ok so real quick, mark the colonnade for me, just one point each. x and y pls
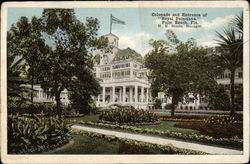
(124, 95)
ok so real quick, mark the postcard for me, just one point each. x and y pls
(125, 82)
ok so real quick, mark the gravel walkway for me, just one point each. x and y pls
(158, 140)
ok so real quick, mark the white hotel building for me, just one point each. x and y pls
(123, 78)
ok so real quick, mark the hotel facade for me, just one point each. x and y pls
(123, 79)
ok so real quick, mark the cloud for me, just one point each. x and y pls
(217, 22)
(138, 42)
(126, 41)
(207, 41)
(143, 35)
(209, 44)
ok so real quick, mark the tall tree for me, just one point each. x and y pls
(230, 42)
(25, 40)
(69, 63)
(188, 69)
(16, 78)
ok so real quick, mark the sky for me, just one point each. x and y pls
(140, 25)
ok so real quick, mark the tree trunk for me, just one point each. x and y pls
(58, 104)
(32, 86)
(174, 99)
(232, 93)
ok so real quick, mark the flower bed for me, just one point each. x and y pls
(141, 147)
(129, 116)
(37, 134)
(232, 142)
(181, 119)
(221, 120)
(132, 124)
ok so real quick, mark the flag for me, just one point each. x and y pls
(117, 21)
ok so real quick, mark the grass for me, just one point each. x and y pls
(164, 126)
(86, 118)
(87, 145)
(169, 125)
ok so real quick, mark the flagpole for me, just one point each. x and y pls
(110, 23)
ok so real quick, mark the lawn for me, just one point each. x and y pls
(87, 145)
(164, 125)
(169, 125)
(86, 118)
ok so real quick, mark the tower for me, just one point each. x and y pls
(112, 41)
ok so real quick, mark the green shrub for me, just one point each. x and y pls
(37, 134)
(35, 108)
(185, 117)
(157, 104)
(168, 106)
(132, 148)
(220, 120)
(226, 131)
(129, 116)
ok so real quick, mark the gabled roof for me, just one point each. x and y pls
(128, 53)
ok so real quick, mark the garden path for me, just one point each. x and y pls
(162, 141)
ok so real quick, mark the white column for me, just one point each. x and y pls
(124, 94)
(130, 94)
(113, 94)
(146, 95)
(142, 94)
(120, 94)
(103, 95)
(136, 94)
(98, 98)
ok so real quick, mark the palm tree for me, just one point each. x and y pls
(230, 42)
(15, 79)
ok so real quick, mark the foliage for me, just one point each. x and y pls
(220, 120)
(25, 41)
(238, 97)
(37, 134)
(31, 108)
(185, 117)
(216, 126)
(218, 98)
(188, 69)
(168, 106)
(157, 104)
(129, 116)
(231, 142)
(230, 43)
(66, 63)
(129, 146)
(16, 91)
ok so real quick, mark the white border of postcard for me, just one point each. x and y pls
(125, 158)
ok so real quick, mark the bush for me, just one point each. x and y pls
(157, 104)
(132, 148)
(220, 126)
(220, 120)
(37, 134)
(184, 117)
(129, 116)
(168, 106)
(35, 108)
(219, 98)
